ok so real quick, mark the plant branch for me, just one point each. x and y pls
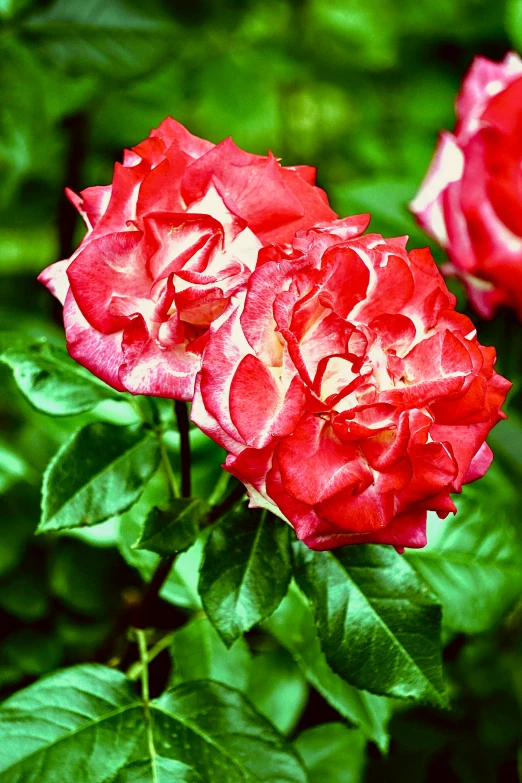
(231, 499)
(142, 646)
(134, 671)
(167, 466)
(164, 566)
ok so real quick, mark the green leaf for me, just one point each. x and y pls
(52, 382)
(161, 771)
(84, 577)
(245, 571)
(13, 468)
(378, 622)
(293, 626)
(17, 525)
(79, 725)
(22, 116)
(474, 566)
(174, 530)
(86, 724)
(25, 594)
(215, 730)
(99, 472)
(33, 652)
(387, 202)
(514, 22)
(333, 753)
(9, 8)
(181, 587)
(114, 38)
(277, 689)
(199, 654)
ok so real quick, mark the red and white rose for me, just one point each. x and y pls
(168, 243)
(350, 395)
(471, 198)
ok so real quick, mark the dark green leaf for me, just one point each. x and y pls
(333, 753)
(87, 725)
(52, 382)
(84, 577)
(199, 654)
(33, 652)
(245, 571)
(377, 620)
(18, 519)
(474, 565)
(174, 530)
(99, 472)
(25, 594)
(293, 626)
(114, 38)
(181, 587)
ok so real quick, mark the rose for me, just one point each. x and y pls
(471, 198)
(172, 169)
(168, 243)
(351, 396)
(138, 303)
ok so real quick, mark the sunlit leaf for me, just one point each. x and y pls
(473, 561)
(88, 725)
(51, 381)
(332, 752)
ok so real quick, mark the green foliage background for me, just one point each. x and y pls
(359, 89)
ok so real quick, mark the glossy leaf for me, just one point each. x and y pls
(332, 752)
(199, 654)
(173, 530)
(473, 561)
(87, 724)
(49, 730)
(161, 771)
(51, 381)
(293, 626)
(245, 571)
(378, 622)
(214, 729)
(99, 472)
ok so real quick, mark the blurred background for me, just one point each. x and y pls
(357, 88)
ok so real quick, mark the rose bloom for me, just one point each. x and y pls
(351, 396)
(471, 198)
(168, 243)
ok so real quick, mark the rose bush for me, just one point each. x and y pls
(168, 243)
(471, 198)
(350, 395)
